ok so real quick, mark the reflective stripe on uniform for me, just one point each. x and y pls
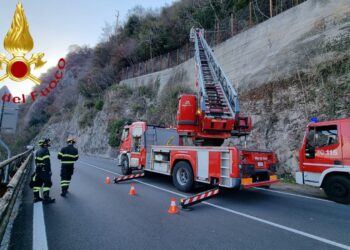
(42, 158)
(67, 162)
(65, 183)
(36, 189)
(68, 155)
(46, 189)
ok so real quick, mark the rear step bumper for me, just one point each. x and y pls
(258, 184)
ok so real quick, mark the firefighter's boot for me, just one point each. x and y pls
(37, 197)
(64, 192)
(47, 198)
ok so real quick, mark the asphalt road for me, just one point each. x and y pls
(99, 216)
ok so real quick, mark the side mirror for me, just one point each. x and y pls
(310, 152)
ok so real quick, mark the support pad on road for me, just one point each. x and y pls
(128, 177)
(192, 200)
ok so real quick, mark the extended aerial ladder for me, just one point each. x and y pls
(214, 114)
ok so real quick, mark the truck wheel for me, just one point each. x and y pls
(337, 188)
(183, 176)
(125, 165)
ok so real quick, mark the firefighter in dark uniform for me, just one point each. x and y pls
(68, 155)
(42, 176)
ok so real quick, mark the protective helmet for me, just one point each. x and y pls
(44, 142)
(71, 139)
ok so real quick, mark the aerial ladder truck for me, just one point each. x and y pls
(193, 152)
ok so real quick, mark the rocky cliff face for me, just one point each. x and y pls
(287, 69)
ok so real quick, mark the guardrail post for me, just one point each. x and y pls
(160, 62)
(6, 172)
(168, 59)
(177, 57)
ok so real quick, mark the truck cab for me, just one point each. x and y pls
(325, 158)
(137, 139)
(131, 148)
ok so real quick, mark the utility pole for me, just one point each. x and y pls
(117, 23)
(231, 22)
(150, 45)
(271, 7)
(250, 14)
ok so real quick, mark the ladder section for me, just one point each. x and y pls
(215, 101)
(225, 169)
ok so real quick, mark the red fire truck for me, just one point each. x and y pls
(193, 153)
(160, 150)
(325, 158)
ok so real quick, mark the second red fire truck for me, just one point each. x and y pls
(325, 158)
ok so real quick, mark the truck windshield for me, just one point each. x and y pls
(125, 133)
(326, 136)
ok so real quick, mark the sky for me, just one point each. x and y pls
(57, 24)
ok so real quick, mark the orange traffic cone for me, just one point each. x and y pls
(173, 208)
(108, 180)
(132, 190)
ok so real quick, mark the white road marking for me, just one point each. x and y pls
(39, 231)
(291, 194)
(289, 229)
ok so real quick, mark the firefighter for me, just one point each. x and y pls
(68, 155)
(42, 176)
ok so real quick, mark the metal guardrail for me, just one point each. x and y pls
(8, 166)
(14, 186)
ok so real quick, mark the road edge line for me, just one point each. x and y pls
(291, 194)
(39, 230)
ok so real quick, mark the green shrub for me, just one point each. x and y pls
(99, 104)
(115, 130)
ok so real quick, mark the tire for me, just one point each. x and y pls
(183, 176)
(125, 165)
(337, 188)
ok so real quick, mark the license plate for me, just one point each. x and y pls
(260, 164)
